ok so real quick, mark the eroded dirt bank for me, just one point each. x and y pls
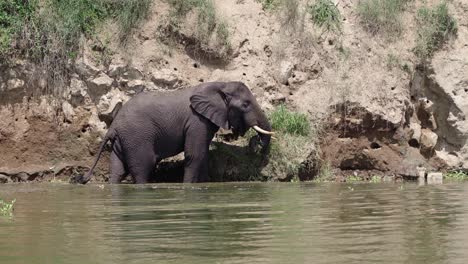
(371, 115)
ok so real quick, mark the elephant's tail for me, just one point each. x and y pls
(83, 179)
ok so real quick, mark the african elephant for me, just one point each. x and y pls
(153, 125)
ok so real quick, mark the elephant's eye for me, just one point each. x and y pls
(245, 104)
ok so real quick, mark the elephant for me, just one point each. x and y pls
(152, 126)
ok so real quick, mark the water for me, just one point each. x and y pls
(236, 223)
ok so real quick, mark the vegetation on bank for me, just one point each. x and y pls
(209, 25)
(49, 32)
(435, 26)
(293, 139)
(6, 208)
(326, 15)
(295, 136)
(382, 16)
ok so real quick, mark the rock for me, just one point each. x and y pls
(451, 160)
(85, 68)
(298, 78)
(108, 102)
(78, 91)
(4, 179)
(68, 111)
(277, 98)
(133, 73)
(99, 86)
(428, 142)
(22, 176)
(166, 79)
(414, 135)
(117, 68)
(285, 71)
(136, 85)
(434, 178)
(15, 84)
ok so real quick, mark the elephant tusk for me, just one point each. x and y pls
(259, 130)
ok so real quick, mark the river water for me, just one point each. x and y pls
(235, 223)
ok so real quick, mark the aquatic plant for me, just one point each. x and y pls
(457, 175)
(6, 208)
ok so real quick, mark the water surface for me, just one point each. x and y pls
(235, 223)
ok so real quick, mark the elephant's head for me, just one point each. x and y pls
(231, 105)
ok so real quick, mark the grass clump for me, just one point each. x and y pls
(291, 146)
(129, 14)
(289, 122)
(209, 26)
(6, 208)
(295, 140)
(270, 4)
(382, 16)
(457, 175)
(435, 26)
(326, 15)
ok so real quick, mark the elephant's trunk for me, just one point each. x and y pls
(264, 131)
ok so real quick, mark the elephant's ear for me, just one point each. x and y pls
(209, 101)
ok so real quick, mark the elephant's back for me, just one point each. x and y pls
(154, 115)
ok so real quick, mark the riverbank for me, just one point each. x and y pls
(379, 97)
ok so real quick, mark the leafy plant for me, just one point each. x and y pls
(289, 122)
(435, 26)
(6, 208)
(326, 15)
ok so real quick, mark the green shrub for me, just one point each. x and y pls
(326, 15)
(382, 16)
(49, 31)
(6, 208)
(289, 122)
(13, 16)
(435, 26)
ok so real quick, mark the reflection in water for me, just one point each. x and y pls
(235, 223)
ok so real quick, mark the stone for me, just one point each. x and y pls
(136, 86)
(15, 84)
(4, 179)
(108, 102)
(450, 159)
(99, 86)
(435, 178)
(298, 78)
(133, 73)
(414, 134)
(116, 68)
(68, 111)
(78, 91)
(22, 176)
(166, 79)
(85, 68)
(285, 71)
(428, 141)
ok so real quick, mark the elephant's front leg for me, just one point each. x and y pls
(196, 167)
(197, 143)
